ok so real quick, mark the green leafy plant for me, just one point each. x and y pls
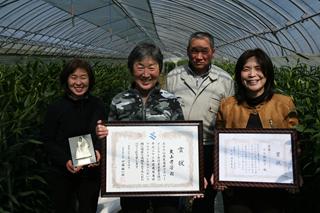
(302, 83)
(168, 66)
(23, 88)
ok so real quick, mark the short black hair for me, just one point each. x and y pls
(201, 35)
(70, 67)
(142, 51)
(267, 69)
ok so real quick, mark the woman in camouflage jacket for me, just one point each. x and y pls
(144, 100)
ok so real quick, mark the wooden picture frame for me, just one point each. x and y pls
(158, 158)
(265, 158)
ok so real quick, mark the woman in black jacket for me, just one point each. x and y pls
(73, 188)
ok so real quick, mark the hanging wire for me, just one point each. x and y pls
(72, 12)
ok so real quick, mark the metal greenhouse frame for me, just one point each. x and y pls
(110, 28)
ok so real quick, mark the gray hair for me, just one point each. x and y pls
(201, 35)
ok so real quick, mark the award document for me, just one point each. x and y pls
(257, 158)
(152, 159)
(82, 151)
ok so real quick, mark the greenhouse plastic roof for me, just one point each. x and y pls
(111, 28)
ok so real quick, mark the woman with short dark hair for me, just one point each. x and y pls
(73, 188)
(145, 50)
(147, 102)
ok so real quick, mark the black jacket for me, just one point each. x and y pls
(67, 118)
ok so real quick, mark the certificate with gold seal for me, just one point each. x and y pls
(153, 159)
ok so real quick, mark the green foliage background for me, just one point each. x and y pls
(27, 89)
(303, 84)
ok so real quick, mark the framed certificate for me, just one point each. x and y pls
(160, 158)
(256, 158)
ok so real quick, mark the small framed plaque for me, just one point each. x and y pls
(256, 158)
(82, 150)
(160, 158)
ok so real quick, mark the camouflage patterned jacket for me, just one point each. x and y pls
(160, 105)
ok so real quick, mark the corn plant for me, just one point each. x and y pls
(23, 88)
(110, 80)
